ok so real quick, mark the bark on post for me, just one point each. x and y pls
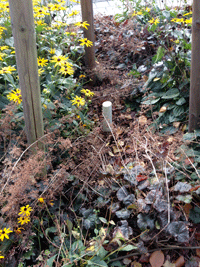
(194, 109)
(21, 12)
(87, 15)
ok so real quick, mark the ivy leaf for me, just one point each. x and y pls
(177, 111)
(179, 231)
(125, 230)
(130, 199)
(122, 193)
(171, 93)
(123, 214)
(133, 173)
(195, 215)
(182, 187)
(145, 221)
(181, 101)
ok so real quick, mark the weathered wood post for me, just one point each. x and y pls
(87, 15)
(21, 12)
(194, 110)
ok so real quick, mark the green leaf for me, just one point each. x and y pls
(169, 130)
(179, 231)
(195, 215)
(102, 252)
(151, 101)
(181, 101)
(9, 41)
(123, 214)
(145, 221)
(103, 220)
(128, 248)
(171, 93)
(96, 261)
(116, 264)
(177, 111)
(51, 260)
(159, 55)
(51, 230)
(185, 199)
(40, 28)
(3, 102)
(69, 226)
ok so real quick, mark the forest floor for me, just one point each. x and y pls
(102, 157)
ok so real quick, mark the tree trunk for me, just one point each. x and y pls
(194, 110)
(87, 15)
(21, 12)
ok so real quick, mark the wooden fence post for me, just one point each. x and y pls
(87, 15)
(21, 12)
(194, 109)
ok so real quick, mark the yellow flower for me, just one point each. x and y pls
(1, 257)
(82, 76)
(41, 22)
(8, 69)
(189, 13)
(59, 60)
(66, 70)
(40, 71)
(52, 51)
(41, 200)
(139, 13)
(42, 62)
(56, 7)
(87, 92)
(154, 21)
(5, 47)
(86, 42)
(4, 233)
(45, 106)
(25, 211)
(18, 230)
(46, 91)
(177, 41)
(40, 12)
(74, 1)
(51, 202)
(71, 33)
(177, 20)
(188, 21)
(148, 9)
(134, 14)
(74, 13)
(79, 101)
(2, 55)
(24, 220)
(15, 96)
(83, 24)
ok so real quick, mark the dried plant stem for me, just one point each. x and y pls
(29, 147)
(149, 158)
(191, 163)
(167, 188)
(116, 145)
